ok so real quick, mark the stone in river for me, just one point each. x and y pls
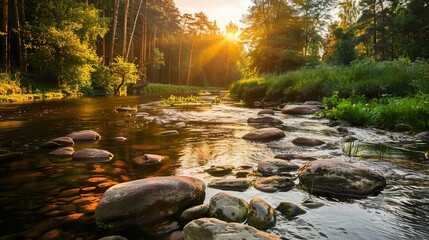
(237, 184)
(63, 152)
(92, 155)
(265, 120)
(227, 207)
(148, 160)
(168, 133)
(274, 166)
(291, 156)
(114, 237)
(193, 213)
(422, 135)
(84, 136)
(58, 142)
(147, 202)
(266, 111)
(265, 134)
(289, 209)
(274, 184)
(300, 109)
(215, 229)
(126, 109)
(335, 177)
(305, 141)
(261, 214)
(220, 170)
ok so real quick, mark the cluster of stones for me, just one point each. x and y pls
(64, 147)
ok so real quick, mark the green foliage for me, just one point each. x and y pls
(180, 100)
(344, 48)
(9, 84)
(351, 149)
(125, 72)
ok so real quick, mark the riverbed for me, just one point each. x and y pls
(55, 198)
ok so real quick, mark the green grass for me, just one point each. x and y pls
(372, 79)
(351, 149)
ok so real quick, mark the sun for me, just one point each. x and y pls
(230, 37)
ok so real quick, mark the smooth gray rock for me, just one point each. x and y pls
(289, 209)
(265, 120)
(58, 142)
(168, 133)
(266, 111)
(291, 156)
(148, 160)
(227, 207)
(92, 155)
(215, 229)
(220, 170)
(147, 202)
(261, 214)
(84, 136)
(336, 177)
(265, 135)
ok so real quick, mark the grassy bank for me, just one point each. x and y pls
(371, 79)
(168, 88)
(390, 95)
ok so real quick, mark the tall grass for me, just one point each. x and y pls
(372, 79)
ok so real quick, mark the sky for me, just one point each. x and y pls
(223, 11)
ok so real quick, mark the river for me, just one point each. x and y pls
(55, 198)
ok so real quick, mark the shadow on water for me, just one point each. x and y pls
(55, 198)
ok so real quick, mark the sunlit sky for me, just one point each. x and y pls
(223, 11)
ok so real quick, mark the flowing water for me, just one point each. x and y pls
(54, 198)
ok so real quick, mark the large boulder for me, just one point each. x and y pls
(215, 229)
(306, 141)
(274, 166)
(227, 207)
(147, 202)
(265, 134)
(336, 177)
(84, 136)
(261, 214)
(92, 155)
(300, 109)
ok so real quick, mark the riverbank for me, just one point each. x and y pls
(394, 88)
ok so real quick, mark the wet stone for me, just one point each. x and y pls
(266, 112)
(114, 237)
(64, 152)
(274, 184)
(148, 160)
(423, 135)
(238, 184)
(265, 135)
(290, 210)
(304, 141)
(193, 213)
(92, 155)
(126, 109)
(227, 207)
(220, 170)
(291, 156)
(85, 136)
(265, 120)
(261, 214)
(274, 166)
(58, 142)
(168, 133)
(300, 109)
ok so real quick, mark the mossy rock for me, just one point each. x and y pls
(274, 184)
(228, 208)
(261, 214)
(193, 213)
(238, 184)
(290, 210)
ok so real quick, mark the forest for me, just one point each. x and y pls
(108, 45)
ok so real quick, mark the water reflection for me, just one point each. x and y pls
(48, 197)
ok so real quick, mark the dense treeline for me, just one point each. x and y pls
(110, 44)
(107, 44)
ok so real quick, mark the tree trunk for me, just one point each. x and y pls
(124, 33)
(5, 36)
(180, 60)
(18, 32)
(188, 80)
(118, 89)
(134, 28)
(115, 23)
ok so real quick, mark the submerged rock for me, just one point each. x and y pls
(265, 134)
(193, 213)
(300, 109)
(84, 136)
(274, 166)
(261, 214)
(274, 184)
(339, 178)
(168, 133)
(265, 120)
(92, 155)
(228, 208)
(148, 160)
(126, 109)
(215, 229)
(237, 184)
(423, 135)
(58, 142)
(147, 202)
(114, 237)
(304, 141)
(291, 156)
(63, 152)
(289, 209)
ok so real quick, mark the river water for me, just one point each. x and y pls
(44, 197)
